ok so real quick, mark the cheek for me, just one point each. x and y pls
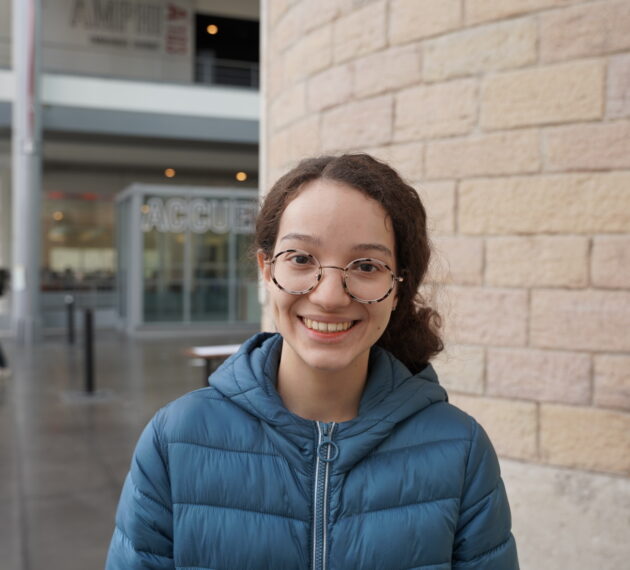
(279, 302)
(382, 318)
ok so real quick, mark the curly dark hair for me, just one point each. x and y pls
(412, 334)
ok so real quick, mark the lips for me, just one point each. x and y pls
(327, 327)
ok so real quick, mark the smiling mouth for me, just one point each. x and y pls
(327, 327)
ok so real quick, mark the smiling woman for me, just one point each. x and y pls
(329, 444)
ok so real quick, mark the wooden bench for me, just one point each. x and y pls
(213, 356)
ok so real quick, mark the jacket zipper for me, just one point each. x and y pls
(327, 452)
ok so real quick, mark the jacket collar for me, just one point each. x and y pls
(391, 395)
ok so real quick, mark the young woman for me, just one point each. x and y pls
(329, 444)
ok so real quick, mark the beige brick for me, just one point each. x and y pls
(567, 519)
(618, 95)
(277, 9)
(604, 146)
(361, 31)
(416, 19)
(290, 105)
(581, 31)
(580, 320)
(308, 55)
(572, 203)
(485, 10)
(546, 95)
(278, 150)
(585, 438)
(612, 381)
(353, 125)
(407, 159)
(316, 14)
(511, 425)
(386, 70)
(303, 139)
(493, 154)
(457, 260)
(460, 368)
(436, 110)
(439, 201)
(486, 316)
(287, 30)
(610, 262)
(541, 375)
(538, 261)
(488, 48)
(274, 75)
(329, 88)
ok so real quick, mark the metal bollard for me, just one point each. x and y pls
(69, 300)
(89, 351)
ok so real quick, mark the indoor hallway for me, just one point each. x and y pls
(63, 458)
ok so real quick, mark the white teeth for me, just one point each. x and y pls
(327, 327)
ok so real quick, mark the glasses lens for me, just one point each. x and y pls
(369, 279)
(296, 271)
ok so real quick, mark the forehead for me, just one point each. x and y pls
(336, 214)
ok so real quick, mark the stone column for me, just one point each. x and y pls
(27, 169)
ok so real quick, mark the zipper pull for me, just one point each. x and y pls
(327, 450)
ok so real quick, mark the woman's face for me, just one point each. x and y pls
(337, 224)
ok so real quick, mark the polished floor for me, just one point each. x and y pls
(64, 456)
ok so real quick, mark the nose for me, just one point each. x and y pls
(330, 292)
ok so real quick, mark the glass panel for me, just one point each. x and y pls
(197, 265)
(247, 306)
(209, 290)
(78, 243)
(163, 275)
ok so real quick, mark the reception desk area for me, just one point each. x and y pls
(184, 257)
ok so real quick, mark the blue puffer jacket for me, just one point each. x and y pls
(227, 478)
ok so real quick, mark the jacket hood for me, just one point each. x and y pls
(392, 394)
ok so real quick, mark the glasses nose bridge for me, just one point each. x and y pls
(343, 275)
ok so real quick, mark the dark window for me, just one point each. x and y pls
(226, 51)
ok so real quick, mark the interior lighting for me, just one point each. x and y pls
(241, 176)
(212, 29)
(57, 216)
(170, 173)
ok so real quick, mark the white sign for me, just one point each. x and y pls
(199, 215)
(151, 25)
(139, 39)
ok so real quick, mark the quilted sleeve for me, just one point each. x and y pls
(483, 538)
(143, 537)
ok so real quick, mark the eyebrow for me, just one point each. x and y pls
(302, 237)
(374, 247)
(360, 247)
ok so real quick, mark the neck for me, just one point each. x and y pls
(321, 395)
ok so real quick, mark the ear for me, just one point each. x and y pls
(265, 268)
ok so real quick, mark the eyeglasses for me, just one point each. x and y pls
(366, 280)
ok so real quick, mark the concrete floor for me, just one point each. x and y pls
(63, 458)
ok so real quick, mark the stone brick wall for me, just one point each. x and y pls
(512, 118)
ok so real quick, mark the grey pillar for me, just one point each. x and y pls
(26, 168)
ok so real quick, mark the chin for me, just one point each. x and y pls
(327, 360)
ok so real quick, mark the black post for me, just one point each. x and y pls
(3, 360)
(69, 299)
(89, 352)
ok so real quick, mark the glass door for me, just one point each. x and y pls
(210, 283)
(164, 264)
